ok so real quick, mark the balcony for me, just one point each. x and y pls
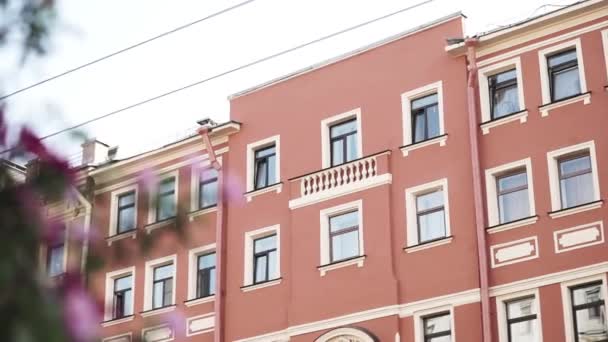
(354, 176)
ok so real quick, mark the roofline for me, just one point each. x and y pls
(13, 165)
(349, 54)
(521, 25)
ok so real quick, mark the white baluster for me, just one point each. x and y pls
(302, 187)
(365, 165)
(375, 167)
(358, 170)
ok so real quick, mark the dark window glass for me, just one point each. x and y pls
(123, 297)
(55, 256)
(521, 320)
(504, 99)
(343, 142)
(589, 313)
(126, 212)
(265, 259)
(265, 167)
(512, 191)
(165, 207)
(563, 75)
(576, 180)
(162, 287)
(430, 216)
(344, 236)
(205, 275)
(425, 118)
(437, 328)
(207, 190)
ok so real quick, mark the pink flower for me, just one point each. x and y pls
(80, 234)
(81, 314)
(149, 179)
(32, 144)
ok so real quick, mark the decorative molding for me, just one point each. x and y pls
(406, 108)
(200, 212)
(348, 333)
(512, 225)
(521, 116)
(250, 237)
(277, 187)
(325, 134)
(250, 152)
(423, 246)
(160, 224)
(112, 322)
(515, 251)
(412, 238)
(578, 237)
(569, 322)
(132, 234)
(119, 338)
(159, 333)
(576, 210)
(544, 74)
(158, 311)
(501, 313)
(193, 255)
(545, 109)
(420, 315)
(258, 286)
(340, 264)
(441, 140)
(200, 324)
(197, 301)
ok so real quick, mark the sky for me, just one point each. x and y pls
(88, 29)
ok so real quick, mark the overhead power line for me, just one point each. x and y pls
(131, 47)
(230, 71)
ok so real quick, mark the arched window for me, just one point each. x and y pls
(346, 335)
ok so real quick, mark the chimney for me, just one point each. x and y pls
(206, 122)
(94, 152)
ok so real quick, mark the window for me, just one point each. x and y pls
(344, 236)
(123, 297)
(563, 75)
(207, 189)
(425, 118)
(343, 142)
(437, 327)
(55, 263)
(126, 212)
(205, 275)
(521, 315)
(513, 198)
(588, 312)
(265, 166)
(427, 213)
(162, 286)
(264, 259)
(503, 93)
(166, 200)
(575, 180)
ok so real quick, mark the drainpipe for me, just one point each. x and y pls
(482, 257)
(218, 335)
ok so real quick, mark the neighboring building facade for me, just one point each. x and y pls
(355, 196)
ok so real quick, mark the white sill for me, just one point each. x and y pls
(157, 311)
(423, 246)
(278, 187)
(197, 301)
(330, 267)
(512, 225)
(576, 210)
(522, 116)
(248, 288)
(132, 234)
(544, 109)
(441, 140)
(116, 321)
(200, 212)
(149, 228)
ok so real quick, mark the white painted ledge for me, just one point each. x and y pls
(423, 246)
(545, 109)
(512, 225)
(197, 301)
(249, 288)
(130, 234)
(117, 321)
(278, 187)
(349, 262)
(200, 212)
(521, 116)
(149, 228)
(157, 311)
(576, 210)
(441, 140)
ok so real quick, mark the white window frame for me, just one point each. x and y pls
(411, 210)
(113, 227)
(193, 255)
(109, 295)
(45, 250)
(420, 315)
(605, 44)
(501, 313)
(554, 186)
(325, 215)
(250, 237)
(154, 192)
(567, 301)
(149, 278)
(325, 134)
(484, 94)
(492, 196)
(406, 105)
(251, 148)
(542, 62)
(195, 178)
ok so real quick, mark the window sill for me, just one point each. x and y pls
(429, 244)
(131, 233)
(585, 98)
(203, 211)
(116, 321)
(197, 301)
(577, 209)
(441, 140)
(278, 187)
(252, 287)
(158, 311)
(159, 224)
(522, 116)
(342, 263)
(512, 225)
